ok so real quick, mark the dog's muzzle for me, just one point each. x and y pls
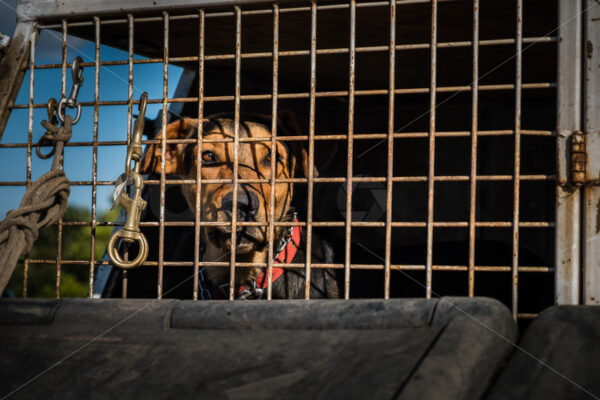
(247, 205)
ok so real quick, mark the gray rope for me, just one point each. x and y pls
(43, 204)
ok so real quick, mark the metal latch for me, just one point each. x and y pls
(578, 158)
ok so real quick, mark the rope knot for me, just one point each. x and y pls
(44, 203)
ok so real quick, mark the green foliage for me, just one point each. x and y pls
(76, 245)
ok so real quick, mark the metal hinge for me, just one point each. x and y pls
(578, 158)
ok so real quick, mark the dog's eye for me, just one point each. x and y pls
(267, 159)
(208, 157)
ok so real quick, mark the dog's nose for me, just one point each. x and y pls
(247, 205)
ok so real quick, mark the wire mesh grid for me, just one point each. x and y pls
(353, 229)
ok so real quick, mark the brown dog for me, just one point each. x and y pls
(253, 202)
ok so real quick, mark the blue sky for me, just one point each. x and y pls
(112, 120)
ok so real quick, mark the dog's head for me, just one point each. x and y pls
(254, 162)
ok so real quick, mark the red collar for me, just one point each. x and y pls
(284, 256)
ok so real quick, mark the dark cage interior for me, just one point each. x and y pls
(506, 122)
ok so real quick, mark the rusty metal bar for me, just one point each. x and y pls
(130, 62)
(25, 276)
(350, 136)
(236, 136)
(568, 199)
(430, 178)
(350, 149)
(198, 211)
(131, 33)
(362, 136)
(527, 315)
(296, 53)
(517, 168)
(63, 94)
(360, 224)
(390, 155)
(591, 191)
(94, 154)
(161, 228)
(381, 267)
(270, 254)
(305, 95)
(311, 144)
(402, 179)
(474, 126)
(28, 11)
(29, 138)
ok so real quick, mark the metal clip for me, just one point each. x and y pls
(46, 139)
(133, 207)
(134, 151)
(131, 230)
(251, 294)
(71, 101)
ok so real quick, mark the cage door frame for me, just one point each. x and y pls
(12, 68)
(591, 195)
(568, 198)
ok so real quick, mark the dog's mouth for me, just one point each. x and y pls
(248, 238)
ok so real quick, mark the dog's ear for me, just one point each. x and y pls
(152, 161)
(299, 149)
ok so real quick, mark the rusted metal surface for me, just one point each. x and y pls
(236, 138)
(63, 95)
(161, 228)
(311, 144)
(474, 133)
(12, 68)
(390, 152)
(374, 92)
(354, 93)
(295, 53)
(31, 49)
(341, 266)
(358, 224)
(198, 209)
(130, 62)
(270, 256)
(95, 153)
(591, 194)
(370, 136)
(431, 164)
(439, 178)
(32, 9)
(517, 155)
(350, 149)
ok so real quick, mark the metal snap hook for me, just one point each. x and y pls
(133, 206)
(128, 237)
(71, 101)
(134, 151)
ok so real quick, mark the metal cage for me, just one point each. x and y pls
(454, 117)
